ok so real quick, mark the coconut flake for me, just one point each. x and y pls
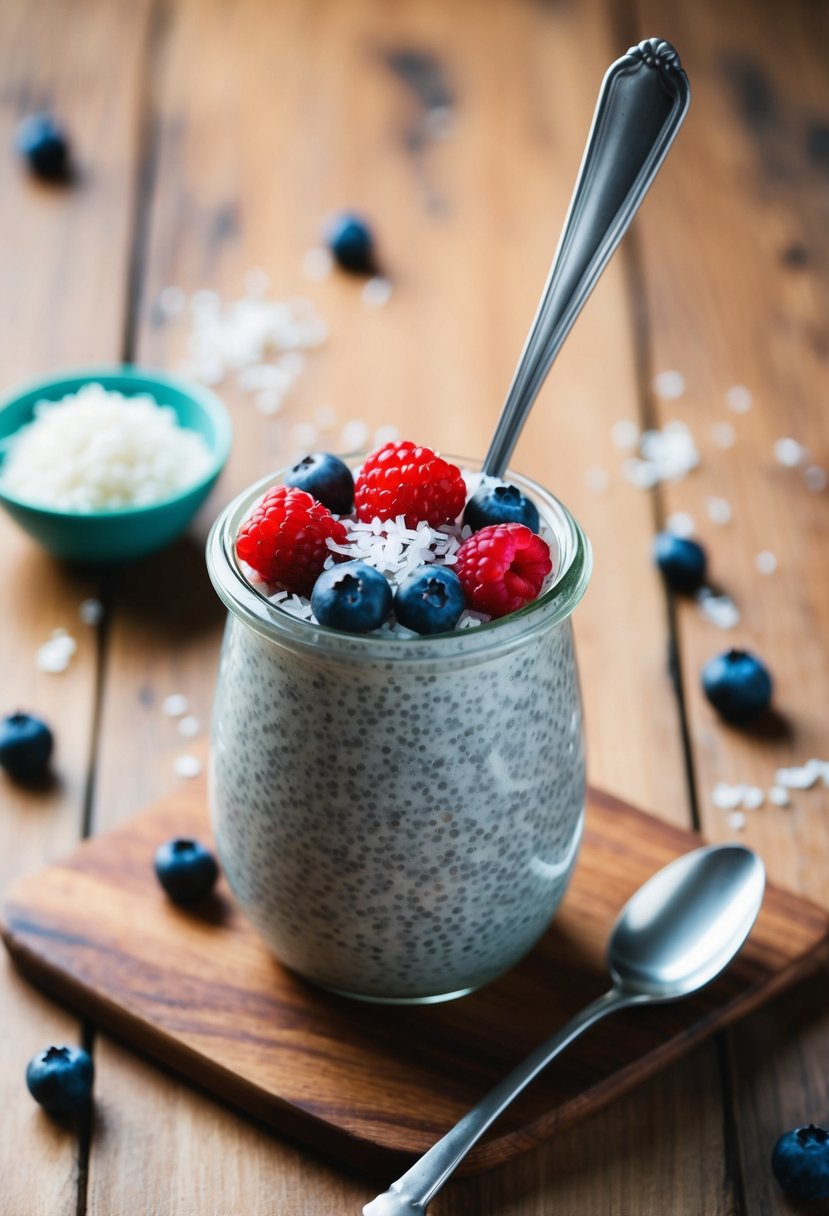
(669, 384)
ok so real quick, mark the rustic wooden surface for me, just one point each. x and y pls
(197, 990)
(212, 138)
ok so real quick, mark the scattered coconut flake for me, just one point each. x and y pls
(91, 612)
(354, 435)
(376, 292)
(800, 777)
(665, 455)
(790, 453)
(669, 385)
(719, 511)
(175, 705)
(816, 478)
(779, 796)
(753, 798)
(189, 727)
(680, 523)
(55, 655)
(317, 264)
(269, 401)
(727, 797)
(597, 479)
(719, 610)
(305, 435)
(171, 301)
(257, 281)
(736, 821)
(187, 766)
(766, 562)
(251, 336)
(292, 363)
(724, 434)
(625, 434)
(385, 434)
(325, 417)
(739, 398)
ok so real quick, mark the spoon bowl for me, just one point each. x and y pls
(686, 923)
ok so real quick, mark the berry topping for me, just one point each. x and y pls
(430, 600)
(500, 504)
(284, 538)
(325, 478)
(681, 560)
(502, 568)
(738, 685)
(60, 1078)
(353, 597)
(800, 1161)
(25, 747)
(45, 147)
(404, 479)
(186, 869)
(349, 238)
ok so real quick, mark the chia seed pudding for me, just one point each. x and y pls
(399, 818)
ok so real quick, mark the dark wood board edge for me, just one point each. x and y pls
(300, 1126)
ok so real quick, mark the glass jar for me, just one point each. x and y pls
(399, 818)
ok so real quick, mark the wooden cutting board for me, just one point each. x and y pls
(197, 991)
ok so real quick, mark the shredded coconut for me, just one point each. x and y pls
(187, 766)
(96, 450)
(175, 706)
(719, 610)
(669, 385)
(55, 655)
(739, 398)
(665, 455)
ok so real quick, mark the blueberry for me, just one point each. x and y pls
(45, 146)
(349, 238)
(430, 600)
(326, 478)
(353, 596)
(186, 869)
(500, 504)
(800, 1161)
(25, 747)
(682, 562)
(60, 1078)
(737, 684)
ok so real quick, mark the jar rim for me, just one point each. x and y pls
(273, 623)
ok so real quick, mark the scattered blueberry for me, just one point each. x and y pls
(186, 869)
(60, 1078)
(353, 596)
(738, 685)
(430, 600)
(326, 478)
(349, 238)
(45, 146)
(25, 746)
(501, 504)
(800, 1161)
(682, 562)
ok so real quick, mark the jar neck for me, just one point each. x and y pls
(572, 562)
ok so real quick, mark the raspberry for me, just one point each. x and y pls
(403, 479)
(284, 538)
(502, 568)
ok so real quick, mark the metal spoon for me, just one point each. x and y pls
(673, 936)
(643, 99)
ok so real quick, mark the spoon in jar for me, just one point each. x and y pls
(674, 935)
(643, 99)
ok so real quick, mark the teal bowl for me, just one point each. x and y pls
(123, 533)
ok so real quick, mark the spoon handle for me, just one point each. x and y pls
(642, 102)
(411, 1193)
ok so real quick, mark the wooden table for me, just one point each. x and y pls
(212, 137)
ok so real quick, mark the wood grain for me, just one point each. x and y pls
(749, 281)
(376, 1085)
(64, 258)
